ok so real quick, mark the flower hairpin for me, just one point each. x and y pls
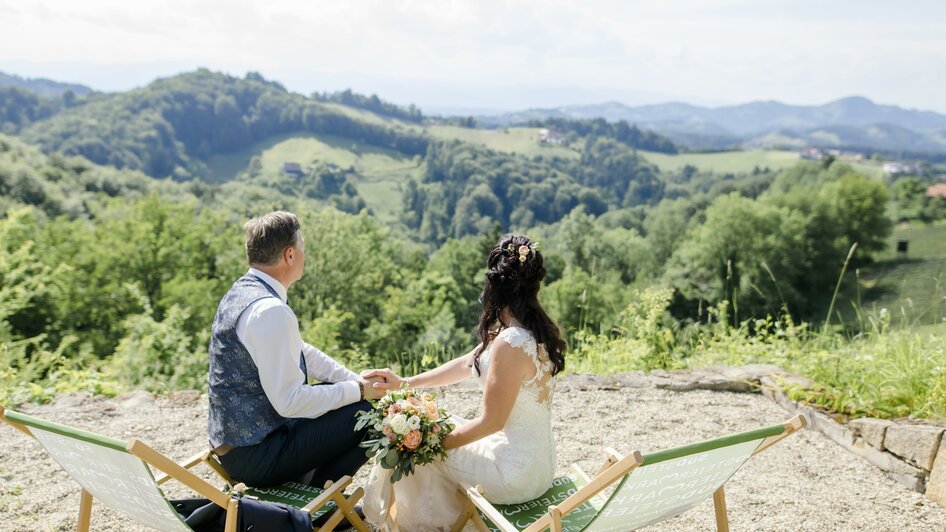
(523, 251)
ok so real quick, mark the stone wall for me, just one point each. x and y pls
(910, 452)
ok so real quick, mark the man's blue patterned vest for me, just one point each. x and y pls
(240, 413)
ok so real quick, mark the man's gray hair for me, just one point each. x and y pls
(269, 235)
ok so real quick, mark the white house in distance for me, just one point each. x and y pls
(551, 137)
(898, 168)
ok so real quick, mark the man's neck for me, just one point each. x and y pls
(279, 274)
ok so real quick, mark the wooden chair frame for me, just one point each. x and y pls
(614, 468)
(181, 473)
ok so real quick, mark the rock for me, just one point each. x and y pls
(633, 380)
(65, 401)
(715, 378)
(914, 483)
(755, 372)
(916, 443)
(771, 390)
(826, 425)
(134, 399)
(871, 429)
(885, 461)
(936, 486)
(184, 397)
(594, 382)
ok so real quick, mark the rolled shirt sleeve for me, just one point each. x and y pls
(323, 367)
(271, 336)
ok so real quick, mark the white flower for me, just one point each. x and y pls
(399, 424)
(413, 422)
(433, 439)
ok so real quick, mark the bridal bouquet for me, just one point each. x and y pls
(405, 428)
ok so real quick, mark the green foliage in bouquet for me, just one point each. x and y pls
(406, 428)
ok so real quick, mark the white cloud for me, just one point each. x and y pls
(802, 51)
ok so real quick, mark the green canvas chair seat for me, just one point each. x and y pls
(117, 474)
(292, 494)
(649, 488)
(525, 514)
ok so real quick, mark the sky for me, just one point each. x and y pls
(491, 55)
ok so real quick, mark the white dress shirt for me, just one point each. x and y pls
(269, 330)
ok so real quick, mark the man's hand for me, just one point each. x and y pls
(375, 388)
(384, 378)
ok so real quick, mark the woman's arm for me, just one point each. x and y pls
(507, 369)
(457, 370)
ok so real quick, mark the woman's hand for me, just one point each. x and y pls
(384, 378)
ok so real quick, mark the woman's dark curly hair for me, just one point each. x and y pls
(514, 271)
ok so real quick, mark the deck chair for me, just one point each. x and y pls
(116, 473)
(650, 488)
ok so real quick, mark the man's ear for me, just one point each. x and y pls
(289, 255)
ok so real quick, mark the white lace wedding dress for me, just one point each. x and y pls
(514, 465)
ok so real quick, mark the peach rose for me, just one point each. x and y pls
(432, 411)
(412, 439)
(394, 409)
(436, 428)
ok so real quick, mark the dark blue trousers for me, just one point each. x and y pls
(327, 447)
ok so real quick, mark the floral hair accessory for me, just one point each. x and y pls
(524, 253)
(511, 248)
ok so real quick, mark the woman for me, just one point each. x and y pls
(508, 449)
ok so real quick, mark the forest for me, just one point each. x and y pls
(116, 243)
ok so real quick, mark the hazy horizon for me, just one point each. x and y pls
(500, 56)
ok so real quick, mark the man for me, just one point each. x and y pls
(266, 423)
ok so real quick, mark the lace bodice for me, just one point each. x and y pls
(539, 387)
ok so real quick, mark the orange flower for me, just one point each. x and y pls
(412, 439)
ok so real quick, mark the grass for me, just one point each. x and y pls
(372, 118)
(521, 140)
(382, 171)
(734, 162)
(743, 161)
(226, 166)
(911, 286)
(881, 372)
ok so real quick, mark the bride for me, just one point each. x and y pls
(508, 449)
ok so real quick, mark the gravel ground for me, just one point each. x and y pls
(804, 483)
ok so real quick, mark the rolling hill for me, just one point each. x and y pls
(168, 128)
(45, 88)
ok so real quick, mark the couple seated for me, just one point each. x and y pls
(267, 425)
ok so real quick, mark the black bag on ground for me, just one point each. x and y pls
(252, 516)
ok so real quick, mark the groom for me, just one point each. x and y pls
(266, 423)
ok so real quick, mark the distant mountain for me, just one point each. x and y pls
(862, 122)
(880, 137)
(43, 87)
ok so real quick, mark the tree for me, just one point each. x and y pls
(746, 252)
